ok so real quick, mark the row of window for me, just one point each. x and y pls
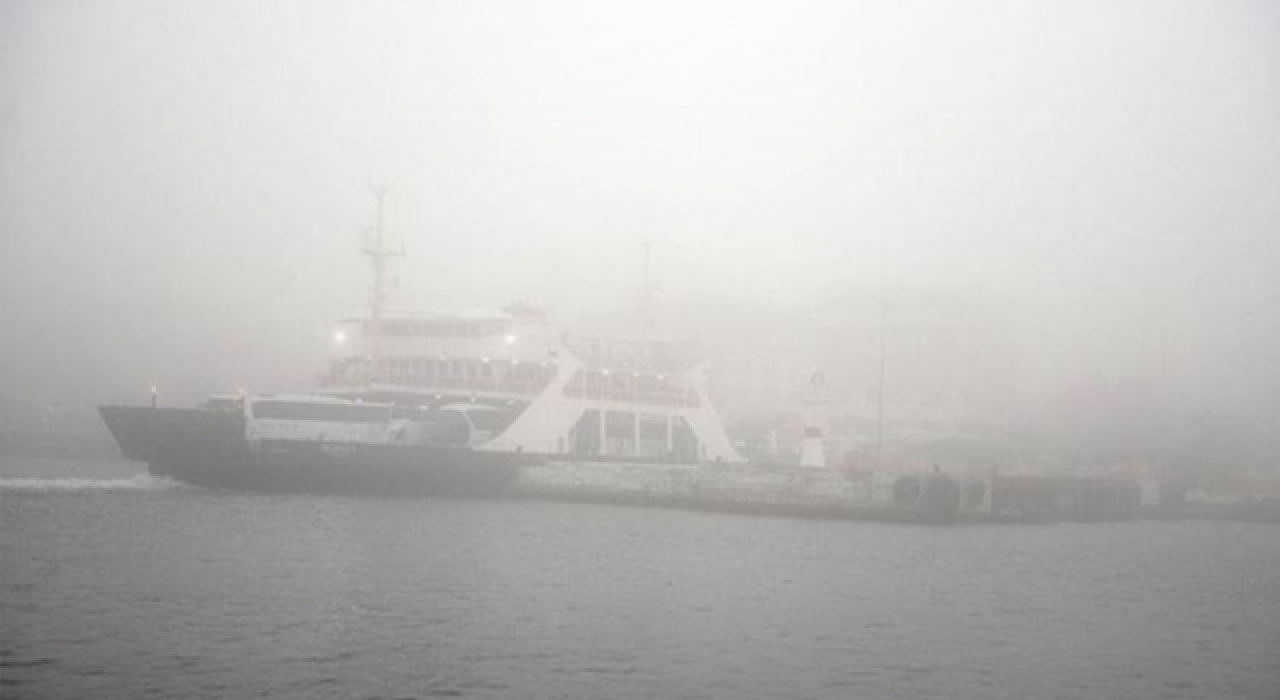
(461, 368)
(307, 411)
(620, 433)
(440, 427)
(403, 328)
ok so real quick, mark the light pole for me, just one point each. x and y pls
(884, 313)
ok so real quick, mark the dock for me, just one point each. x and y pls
(896, 497)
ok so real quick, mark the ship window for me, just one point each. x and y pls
(596, 381)
(446, 428)
(653, 428)
(684, 440)
(331, 412)
(229, 405)
(416, 413)
(619, 430)
(489, 420)
(620, 425)
(585, 435)
(653, 436)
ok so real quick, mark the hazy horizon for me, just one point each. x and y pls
(182, 187)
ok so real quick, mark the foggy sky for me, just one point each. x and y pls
(182, 185)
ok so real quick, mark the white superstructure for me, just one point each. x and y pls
(523, 383)
(527, 385)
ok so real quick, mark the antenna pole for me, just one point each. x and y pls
(646, 295)
(378, 258)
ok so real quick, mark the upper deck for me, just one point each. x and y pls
(506, 356)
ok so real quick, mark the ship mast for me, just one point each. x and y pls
(646, 292)
(379, 258)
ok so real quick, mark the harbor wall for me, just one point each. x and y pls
(926, 497)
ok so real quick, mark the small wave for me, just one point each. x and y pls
(30, 663)
(141, 482)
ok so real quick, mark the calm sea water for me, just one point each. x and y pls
(118, 585)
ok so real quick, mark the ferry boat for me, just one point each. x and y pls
(454, 405)
(527, 384)
(442, 404)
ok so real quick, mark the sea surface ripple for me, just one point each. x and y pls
(159, 590)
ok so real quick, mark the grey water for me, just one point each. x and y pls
(119, 585)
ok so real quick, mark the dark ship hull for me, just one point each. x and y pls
(208, 448)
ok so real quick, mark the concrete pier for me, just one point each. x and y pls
(871, 496)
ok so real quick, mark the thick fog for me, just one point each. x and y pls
(183, 185)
